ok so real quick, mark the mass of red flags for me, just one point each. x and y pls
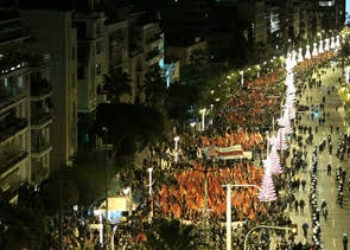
(186, 198)
(241, 137)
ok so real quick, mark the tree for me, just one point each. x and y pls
(173, 235)
(131, 127)
(344, 53)
(49, 192)
(116, 84)
(89, 176)
(180, 98)
(23, 225)
(155, 88)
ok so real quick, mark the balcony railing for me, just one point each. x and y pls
(152, 54)
(9, 158)
(154, 38)
(40, 87)
(9, 99)
(39, 173)
(40, 118)
(40, 147)
(10, 126)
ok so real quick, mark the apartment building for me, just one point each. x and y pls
(62, 50)
(41, 121)
(146, 49)
(15, 120)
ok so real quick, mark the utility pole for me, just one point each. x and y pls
(60, 233)
(105, 130)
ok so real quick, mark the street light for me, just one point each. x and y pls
(150, 181)
(228, 211)
(126, 192)
(176, 139)
(242, 76)
(202, 111)
(105, 130)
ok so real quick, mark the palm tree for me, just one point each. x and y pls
(116, 84)
(155, 87)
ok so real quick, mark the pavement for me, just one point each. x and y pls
(338, 218)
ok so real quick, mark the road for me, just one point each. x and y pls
(338, 218)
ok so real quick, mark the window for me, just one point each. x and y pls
(99, 47)
(20, 81)
(98, 28)
(81, 73)
(98, 69)
(6, 82)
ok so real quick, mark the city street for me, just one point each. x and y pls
(335, 226)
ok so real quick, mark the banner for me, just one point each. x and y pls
(229, 153)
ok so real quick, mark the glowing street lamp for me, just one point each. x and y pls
(176, 140)
(211, 110)
(242, 76)
(202, 111)
(150, 181)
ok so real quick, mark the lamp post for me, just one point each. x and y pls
(202, 111)
(126, 192)
(150, 191)
(150, 181)
(265, 226)
(242, 76)
(176, 140)
(105, 130)
(228, 211)
(211, 111)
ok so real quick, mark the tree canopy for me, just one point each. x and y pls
(131, 126)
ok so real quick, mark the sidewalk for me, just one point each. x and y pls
(332, 229)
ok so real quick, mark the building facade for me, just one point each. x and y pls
(62, 49)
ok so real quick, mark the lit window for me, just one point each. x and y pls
(6, 82)
(20, 82)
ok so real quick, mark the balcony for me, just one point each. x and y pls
(153, 57)
(41, 120)
(9, 100)
(39, 173)
(40, 89)
(41, 149)
(155, 39)
(10, 126)
(10, 157)
(102, 96)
